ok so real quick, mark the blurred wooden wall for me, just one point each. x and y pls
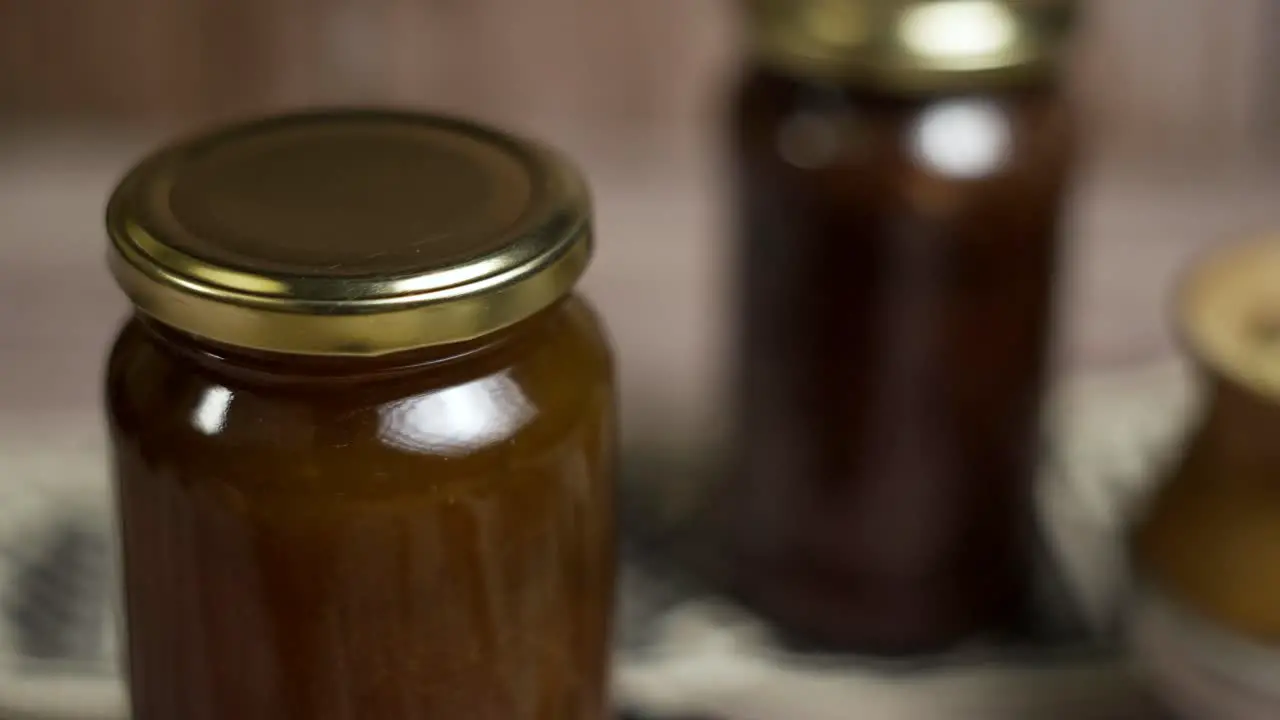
(1181, 81)
(134, 60)
(1165, 80)
(617, 68)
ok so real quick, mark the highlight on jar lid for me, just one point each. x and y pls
(1230, 314)
(912, 44)
(355, 232)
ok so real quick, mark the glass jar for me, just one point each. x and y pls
(1205, 615)
(363, 429)
(901, 172)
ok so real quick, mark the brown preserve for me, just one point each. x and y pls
(900, 206)
(363, 430)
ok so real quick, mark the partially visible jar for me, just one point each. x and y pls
(1205, 616)
(902, 168)
(363, 429)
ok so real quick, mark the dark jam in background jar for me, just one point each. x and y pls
(901, 171)
(363, 429)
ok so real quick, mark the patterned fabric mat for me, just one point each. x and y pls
(681, 654)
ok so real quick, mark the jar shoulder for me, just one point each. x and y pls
(808, 128)
(497, 406)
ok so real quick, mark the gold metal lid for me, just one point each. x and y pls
(354, 232)
(911, 44)
(1229, 312)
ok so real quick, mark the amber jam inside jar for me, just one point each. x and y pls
(899, 193)
(363, 429)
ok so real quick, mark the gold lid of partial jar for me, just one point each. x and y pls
(1229, 313)
(911, 44)
(348, 232)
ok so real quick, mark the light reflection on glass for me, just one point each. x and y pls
(963, 139)
(959, 30)
(210, 415)
(458, 420)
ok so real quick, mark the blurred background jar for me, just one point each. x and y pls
(902, 170)
(1205, 618)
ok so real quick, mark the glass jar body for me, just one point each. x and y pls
(424, 535)
(897, 274)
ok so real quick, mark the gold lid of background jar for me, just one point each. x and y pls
(348, 232)
(1229, 312)
(911, 44)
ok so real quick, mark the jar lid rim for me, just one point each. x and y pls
(912, 45)
(1229, 313)
(348, 232)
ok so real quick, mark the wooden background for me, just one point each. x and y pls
(1167, 80)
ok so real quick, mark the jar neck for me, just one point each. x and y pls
(1241, 424)
(866, 90)
(262, 363)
